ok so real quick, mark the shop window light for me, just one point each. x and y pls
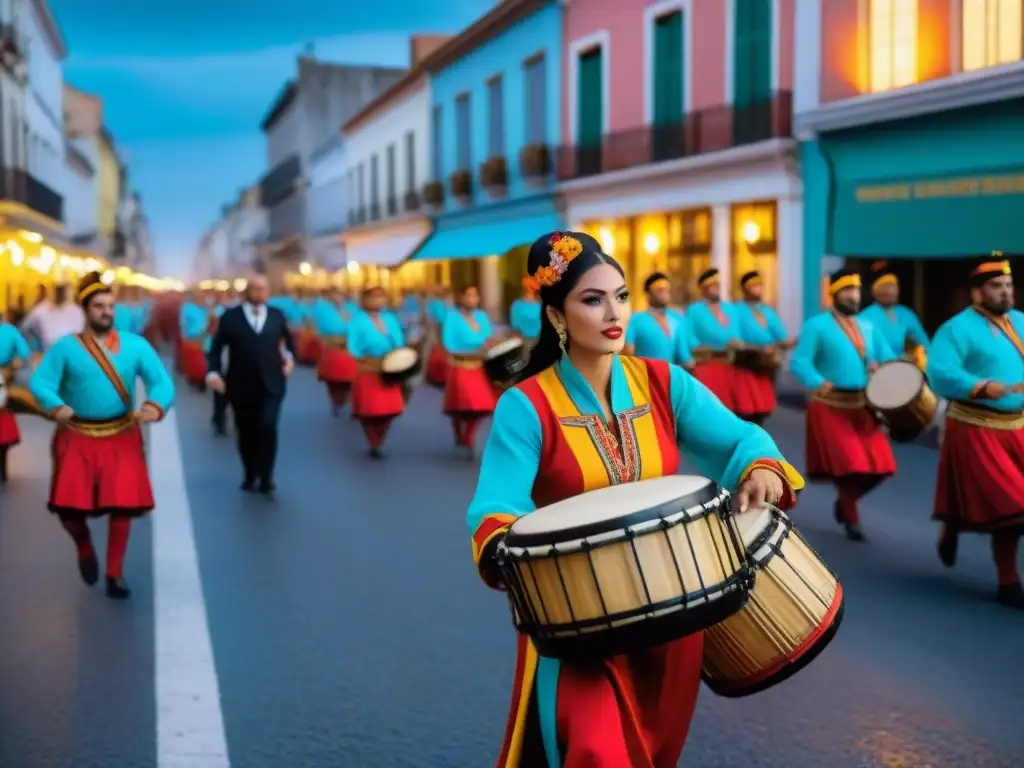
(892, 41)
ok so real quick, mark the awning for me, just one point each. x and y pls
(459, 237)
(383, 250)
(947, 186)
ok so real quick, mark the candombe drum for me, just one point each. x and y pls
(624, 568)
(793, 612)
(505, 361)
(899, 392)
(399, 365)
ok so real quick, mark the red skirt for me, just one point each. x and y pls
(307, 347)
(753, 393)
(845, 441)
(336, 366)
(981, 477)
(436, 373)
(468, 390)
(192, 361)
(373, 399)
(97, 475)
(9, 432)
(720, 377)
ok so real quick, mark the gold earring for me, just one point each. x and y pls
(562, 337)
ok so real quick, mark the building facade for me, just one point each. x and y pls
(387, 150)
(910, 116)
(305, 115)
(678, 151)
(494, 120)
(108, 190)
(44, 102)
(83, 120)
(246, 228)
(327, 204)
(133, 225)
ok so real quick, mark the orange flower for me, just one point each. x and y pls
(567, 247)
(530, 283)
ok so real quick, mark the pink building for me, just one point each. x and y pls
(678, 153)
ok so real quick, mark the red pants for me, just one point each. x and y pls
(436, 372)
(465, 426)
(372, 398)
(376, 430)
(192, 361)
(9, 433)
(117, 540)
(100, 475)
(720, 377)
(753, 394)
(469, 390)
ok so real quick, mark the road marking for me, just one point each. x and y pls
(189, 720)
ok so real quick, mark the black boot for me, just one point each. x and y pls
(854, 532)
(947, 548)
(3, 465)
(89, 569)
(118, 589)
(1011, 595)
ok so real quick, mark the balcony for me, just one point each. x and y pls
(412, 200)
(392, 205)
(461, 183)
(280, 182)
(433, 194)
(24, 188)
(535, 161)
(374, 211)
(709, 130)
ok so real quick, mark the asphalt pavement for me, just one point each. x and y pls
(349, 630)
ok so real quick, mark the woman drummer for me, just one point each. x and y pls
(469, 395)
(586, 417)
(524, 314)
(336, 368)
(372, 334)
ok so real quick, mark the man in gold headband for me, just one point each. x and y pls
(977, 363)
(86, 383)
(656, 332)
(898, 323)
(713, 334)
(845, 444)
(764, 337)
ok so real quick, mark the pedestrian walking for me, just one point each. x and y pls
(260, 357)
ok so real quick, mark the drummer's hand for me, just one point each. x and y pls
(735, 344)
(872, 367)
(147, 414)
(288, 365)
(762, 486)
(994, 390)
(63, 415)
(824, 389)
(689, 365)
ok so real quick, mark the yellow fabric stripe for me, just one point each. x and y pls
(849, 281)
(646, 434)
(886, 280)
(592, 468)
(505, 519)
(515, 751)
(790, 475)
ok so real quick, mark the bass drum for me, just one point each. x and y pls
(400, 366)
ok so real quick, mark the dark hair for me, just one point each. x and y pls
(462, 292)
(652, 279)
(547, 351)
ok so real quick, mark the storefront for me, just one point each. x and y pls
(929, 194)
(487, 247)
(736, 213)
(374, 254)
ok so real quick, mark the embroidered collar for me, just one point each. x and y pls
(112, 342)
(582, 394)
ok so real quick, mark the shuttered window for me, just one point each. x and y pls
(496, 117)
(752, 52)
(668, 69)
(437, 152)
(462, 133)
(589, 99)
(536, 101)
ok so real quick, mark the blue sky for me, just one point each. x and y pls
(186, 83)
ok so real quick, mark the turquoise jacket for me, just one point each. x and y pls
(524, 318)
(649, 338)
(896, 324)
(825, 353)
(459, 338)
(365, 341)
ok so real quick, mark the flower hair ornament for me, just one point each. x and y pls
(564, 248)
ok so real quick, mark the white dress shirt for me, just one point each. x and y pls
(256, 315)
(50, 322)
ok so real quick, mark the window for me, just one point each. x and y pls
(374, 181)
(462, 128)
(536, 106)
(496, 116)
(892, 40)
(992, 31)
(752, 52)
(361, 180)
(437, 154)
(590, 98)
(391, 171)
(754, 246)
(410, 161)
(668, 69)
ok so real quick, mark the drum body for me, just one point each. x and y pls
(400, 365)
(794, 611)
(625, 568)
(763, 360)
(505, 360)
(899, 391)
(3, 390)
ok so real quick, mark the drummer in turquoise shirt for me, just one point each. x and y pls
(524, 314)
(713, 331)
(193, 320)
(899, 324)
(759, 324)
(126, 318)
(655, 333)
(469, 395)
(14, 350)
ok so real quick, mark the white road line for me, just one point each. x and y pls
(189, 721)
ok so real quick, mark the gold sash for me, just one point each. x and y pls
(989, 418)
(844, 400)
(466, 363)
(102, 428)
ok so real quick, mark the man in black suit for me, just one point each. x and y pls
(260, 359)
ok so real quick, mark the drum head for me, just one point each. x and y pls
(611, 509)
(753, 523)
(894, 385)
(503, 348)
(401, 359)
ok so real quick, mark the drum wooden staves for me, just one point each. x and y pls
(625, 568)
(400, 365)
(794, 611)
(899, 391)
(505, 361)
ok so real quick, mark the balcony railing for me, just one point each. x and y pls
(24, 188)
(374, 211)
(412, 200)
(708, 130)
(278, 183)
(392, 205)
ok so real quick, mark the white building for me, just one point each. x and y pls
(327, 204)
(80, 195)
(247, 226)
(387, 163)
(44, 98)
(134, 225)
(13, 79)
(218, 248)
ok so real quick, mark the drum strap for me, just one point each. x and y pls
(1004, 324)
(852, 331)
(758, 314)
(107, 366)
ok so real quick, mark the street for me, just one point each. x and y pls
(349, 630)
